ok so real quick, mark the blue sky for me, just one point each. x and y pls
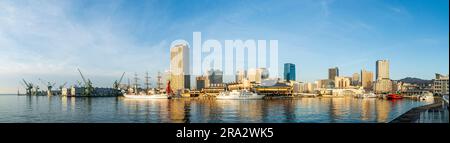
(49, 39)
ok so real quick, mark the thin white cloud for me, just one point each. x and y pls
(41, 38)
(399, 11)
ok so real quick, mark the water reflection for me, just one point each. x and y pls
(367, 109)
(111, 109)
(64, 103)
(382, 111)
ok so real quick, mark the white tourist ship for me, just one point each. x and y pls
(238, 95)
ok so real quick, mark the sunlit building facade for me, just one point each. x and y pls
(440, 84)
(382, 69)
(342, 82)
(179, 67)
(383, 86)
(367, 79)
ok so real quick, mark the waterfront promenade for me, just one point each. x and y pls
(432, 113)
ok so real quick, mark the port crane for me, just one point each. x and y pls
(78, 83)
(28, 87)
(62, 86)
(88, 88)
(36, 90)
(49, 86)
(117, 83)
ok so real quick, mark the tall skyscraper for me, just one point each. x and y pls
(383, 83)
(179, 67)
(332, 73)
(382, 69)
(367, 79)
(289, 72)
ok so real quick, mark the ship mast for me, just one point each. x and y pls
(159, 80)
(136, 85)
(147, 83)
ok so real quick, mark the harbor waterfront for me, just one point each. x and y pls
(51, 109)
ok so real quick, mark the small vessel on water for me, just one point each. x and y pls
(426, 96)
(238, 95)
(366, 95)
(155, 96)
(394, 96)
(152, 94)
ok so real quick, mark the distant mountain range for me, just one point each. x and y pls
(416, 80)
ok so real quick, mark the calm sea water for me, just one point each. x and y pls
(43, 109)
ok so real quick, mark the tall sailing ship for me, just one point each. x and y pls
(133, 93)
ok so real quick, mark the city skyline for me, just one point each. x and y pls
(412, 35)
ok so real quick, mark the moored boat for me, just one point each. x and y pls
(394, 96)
(150, 94)
(238, 95)
(155, 96)
(366, 95)
(426, 96)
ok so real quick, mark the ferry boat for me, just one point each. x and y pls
(238, 95)
(394, 96)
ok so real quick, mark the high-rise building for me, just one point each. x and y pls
(383, 84)
(355, 79)
(440, 84)
(342, 82)
(289, 72)
(240, 76)
(332, 73)
(215, 77)
(179, 67)
(382, 69)
(367, 79)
